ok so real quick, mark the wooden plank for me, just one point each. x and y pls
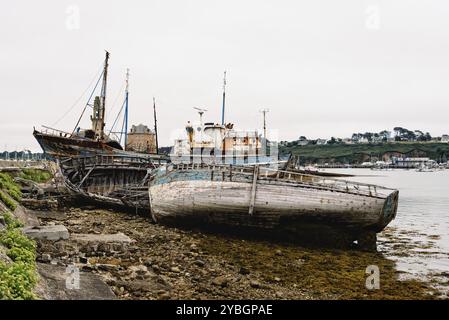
(85, 177)
(253, 190)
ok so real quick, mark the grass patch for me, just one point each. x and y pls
(17, 279)
(7, 201)
(7, 183)
(36, 175)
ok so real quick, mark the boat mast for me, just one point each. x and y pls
(126, 107)
(264, 111)
(155, 125)
(224, 99)
(100, 104)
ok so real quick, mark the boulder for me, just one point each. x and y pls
(53, 233)
(102, 238)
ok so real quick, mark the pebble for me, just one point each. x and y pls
(221, 281)
(244, 271)
(175, 269)
(255, 284)
(200, 263)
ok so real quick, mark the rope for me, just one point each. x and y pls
(77, 100)
(90, 97)
(119, 93)
(118, 115)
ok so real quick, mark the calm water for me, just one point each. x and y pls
(418, 239)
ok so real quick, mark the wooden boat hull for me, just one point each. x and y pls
(274, 202)
(61, 146)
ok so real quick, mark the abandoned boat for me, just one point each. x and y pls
(220, 143)
(97, 167)
(261, 197)
(60, 145)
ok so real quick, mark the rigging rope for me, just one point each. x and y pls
(119, 93)
(90, 97)
(118, 116)
(79, 99)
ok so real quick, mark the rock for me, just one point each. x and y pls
(244, 271)
(199, 263)
(140, 269)
(26, 216)
(106, 267)
(277, 279)
(221, 281)
(53, 279)
(53, 233)
(117, 238)
(146, 285)
(255, 284)
(175, 269)
(83, 259)
(278, 252)
(2, 222)
(164, 296)
(45, 257)
(279, 294)
(3, 256)
(34, 204)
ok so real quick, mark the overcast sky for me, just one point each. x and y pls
(323, 68)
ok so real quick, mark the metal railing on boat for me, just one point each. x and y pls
(271, 174)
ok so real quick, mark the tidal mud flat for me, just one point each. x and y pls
(138, 259)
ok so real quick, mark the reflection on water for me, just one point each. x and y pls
(418, 239)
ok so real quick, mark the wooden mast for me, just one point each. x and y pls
(100, 104)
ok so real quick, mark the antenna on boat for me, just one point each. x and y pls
(265, 111)
(155, 125)
(224, 99)
(126, 106)
(201, 112)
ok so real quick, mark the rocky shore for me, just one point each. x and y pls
(141, 260)
(122, 255)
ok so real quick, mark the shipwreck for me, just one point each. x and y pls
(265, 198)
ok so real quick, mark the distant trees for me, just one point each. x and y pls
(403, 134)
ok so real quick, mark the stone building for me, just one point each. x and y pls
(141, 139)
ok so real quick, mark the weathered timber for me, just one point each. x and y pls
(271, 196)
(116, 180)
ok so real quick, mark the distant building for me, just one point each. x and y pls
(141, 139)
(363, 140)
(411, 162)
(445, 138)
(321, 141)
(303, 141)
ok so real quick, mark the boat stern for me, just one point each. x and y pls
(389, 210)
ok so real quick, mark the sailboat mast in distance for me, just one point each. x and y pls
(155, 125)
(224, 99)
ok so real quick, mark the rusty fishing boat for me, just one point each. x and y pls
(107, 166)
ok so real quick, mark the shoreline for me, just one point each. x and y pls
(173, 263)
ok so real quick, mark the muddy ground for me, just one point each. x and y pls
(166, 262)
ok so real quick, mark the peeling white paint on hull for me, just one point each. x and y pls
(229, 202)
